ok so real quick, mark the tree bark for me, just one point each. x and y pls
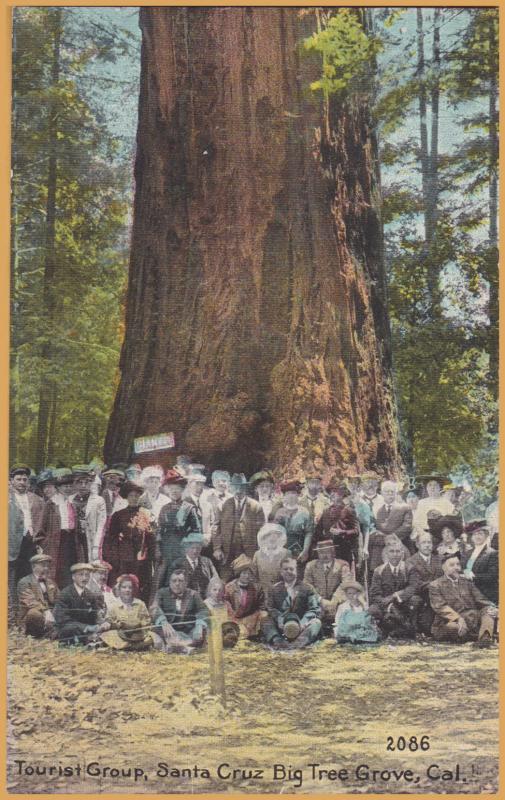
(47, 386)
(256, 325)
(493, 209)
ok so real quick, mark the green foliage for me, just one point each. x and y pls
(76, 345)
(345, 49)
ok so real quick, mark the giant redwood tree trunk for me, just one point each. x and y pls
(256, 326)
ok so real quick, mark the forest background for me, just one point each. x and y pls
(432, 78)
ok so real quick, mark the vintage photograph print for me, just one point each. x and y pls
(253, 472)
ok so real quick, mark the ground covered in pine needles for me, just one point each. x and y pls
(90, 712)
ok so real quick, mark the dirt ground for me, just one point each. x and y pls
(90, 712)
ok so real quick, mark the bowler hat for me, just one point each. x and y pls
(262, 475)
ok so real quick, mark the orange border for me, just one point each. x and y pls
(6, 7)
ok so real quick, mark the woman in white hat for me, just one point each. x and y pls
(353, 624)
(266, 560)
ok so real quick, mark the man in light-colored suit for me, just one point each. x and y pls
(37, 594)
(325, 574)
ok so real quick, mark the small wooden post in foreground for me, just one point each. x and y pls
(215, 648)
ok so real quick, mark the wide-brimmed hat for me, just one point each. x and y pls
(336, 487)
(351, 584)
(64, 476)
(155, 471)
(238, 479)
(324, 544)
(45, 476)
(240, 563)
(291, 486)
(101, 566)
(130, 486)
(435, 524)
(230, 632)
(477, 525)
(292, 627)
(433, 476)
(174, 478)
(196, 476)
(270, 528)
(259, 477)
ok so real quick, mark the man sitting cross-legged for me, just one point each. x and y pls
(293, 609)
(393, 603)
(37, 594)
(461, 610)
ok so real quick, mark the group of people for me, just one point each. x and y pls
(134, 558)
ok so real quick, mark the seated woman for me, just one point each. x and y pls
(129, 619)
(353, 624)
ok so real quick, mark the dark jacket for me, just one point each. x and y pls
(77, 610)
(305, 604)
(385, 585)
(397, 521)
(422, 574)
(31, 597)
(485, 570)
(198, 578)
(164, 609)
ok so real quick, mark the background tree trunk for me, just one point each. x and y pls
(256, 325)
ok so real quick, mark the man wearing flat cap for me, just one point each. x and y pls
(77, 611)
(112, 479)
(37, 595)
(461, 610)
(239, 522)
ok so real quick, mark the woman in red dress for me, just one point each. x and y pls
(129, 542)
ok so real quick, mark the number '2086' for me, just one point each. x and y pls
(412, 743)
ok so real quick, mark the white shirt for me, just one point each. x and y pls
(24, 505)
(62, 503)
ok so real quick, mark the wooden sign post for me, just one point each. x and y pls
(216, 665)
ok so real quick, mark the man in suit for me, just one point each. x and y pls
(37, 594)
(294, 611)
(180, 615)
(461, 610)
(31, 507)
(313, 498)
(325, 574)
(197, 568)
(78, 612)
(481, 563)
(393, 517)
(237, 531)
(392, 601)
(111, 483)
(425, 568)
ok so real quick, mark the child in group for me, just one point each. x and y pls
(353, 624)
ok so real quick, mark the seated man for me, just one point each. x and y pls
(197, 568)
(180, 614)
(37, 595)
(325, 575)
(392, 601)
(461, 610)
(246, 597)
(425, 568)
(78, 613)
(293, 611)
